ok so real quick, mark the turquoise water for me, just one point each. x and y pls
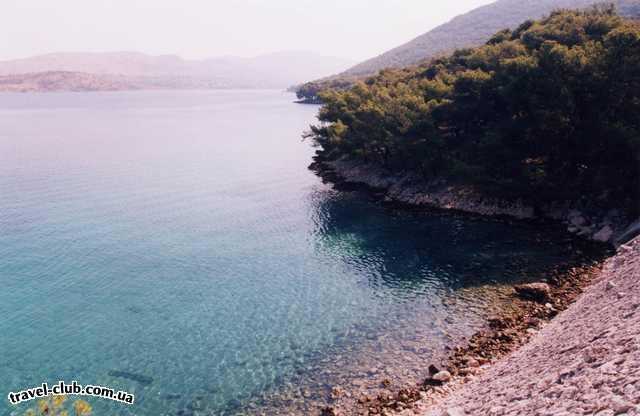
(179, 236)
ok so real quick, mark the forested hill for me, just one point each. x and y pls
(467, 30)
(473, 29)
(545, 112)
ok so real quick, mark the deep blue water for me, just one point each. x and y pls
(179, 236)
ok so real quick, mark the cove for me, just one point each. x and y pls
(174, 245)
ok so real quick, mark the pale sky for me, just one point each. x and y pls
(353, 29)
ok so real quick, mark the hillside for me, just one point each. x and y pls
(51, 81)
(544, 113)
(62, 80)
(467, 30)
(473, 29)
(123, 70)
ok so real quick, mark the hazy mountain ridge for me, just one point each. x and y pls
(51, 81)
(62, 80)
(473, 29)
(133, 70)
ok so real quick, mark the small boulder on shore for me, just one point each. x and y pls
(455, 411)
(443, 376)
(538, 292)
(437, 377)
(472, 362)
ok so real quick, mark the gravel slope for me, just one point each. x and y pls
(585, 362)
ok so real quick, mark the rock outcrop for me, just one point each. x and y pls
(593, 224)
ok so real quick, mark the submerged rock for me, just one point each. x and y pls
(131, 376)
(604, 235)
(539, 292)
(578, 220)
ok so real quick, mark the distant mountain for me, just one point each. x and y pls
(50, 81)
(62, 80)
(473, 29)
(132, 70)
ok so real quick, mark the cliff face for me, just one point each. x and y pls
(580, 218)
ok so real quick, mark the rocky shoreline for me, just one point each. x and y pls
(581, 218)
(533, 306)
(586, 361)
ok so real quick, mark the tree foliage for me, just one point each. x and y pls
(309, 93)
(55, 406)
(548, 111)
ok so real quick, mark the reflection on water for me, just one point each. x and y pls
(440, 274)
(418, 252)
(177, 238)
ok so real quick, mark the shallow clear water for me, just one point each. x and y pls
(179, 236)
